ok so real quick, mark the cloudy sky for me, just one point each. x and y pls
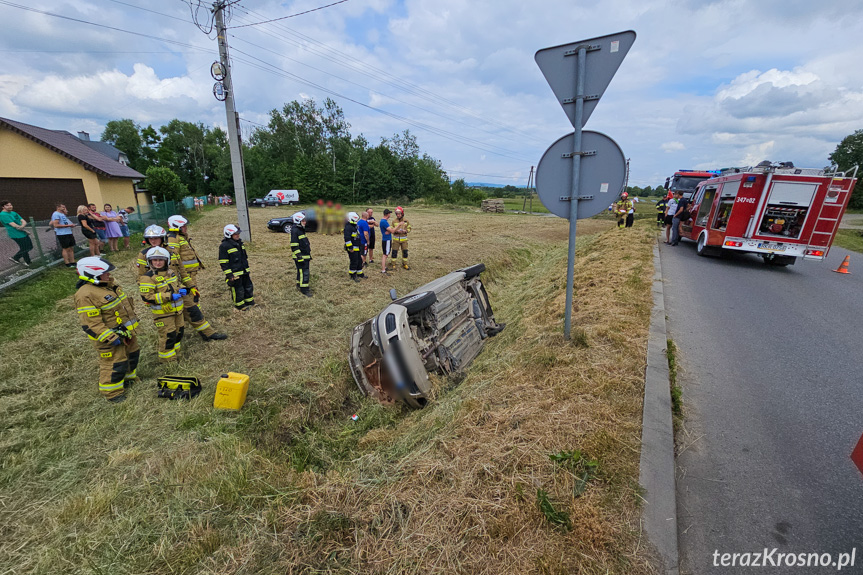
(707, 84)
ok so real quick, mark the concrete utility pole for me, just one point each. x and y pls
(233, 125)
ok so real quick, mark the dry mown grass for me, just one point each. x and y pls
(290, 484)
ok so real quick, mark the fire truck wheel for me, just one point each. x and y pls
(702, 248)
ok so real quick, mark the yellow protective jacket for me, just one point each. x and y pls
(182, 246)
(104, 311)
(401, 229)
(174, 264)
(622, 207)
(156, 291)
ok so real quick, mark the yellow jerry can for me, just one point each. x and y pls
(231, 391)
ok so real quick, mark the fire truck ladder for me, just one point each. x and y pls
(825, 236)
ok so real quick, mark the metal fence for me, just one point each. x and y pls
(46, 252)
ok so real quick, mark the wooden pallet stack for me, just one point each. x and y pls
(493, 206)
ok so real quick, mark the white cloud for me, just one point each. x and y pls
(697, 89)
(112, 91)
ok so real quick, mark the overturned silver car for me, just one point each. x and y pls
(439, 327)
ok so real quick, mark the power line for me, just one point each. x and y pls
(272, 68)
(395, 81)
(255, 123)
(94, 52)
(291, 16)
(141, 34)
(484, 175)
(371, 90)
(148, 10)
(438, 131)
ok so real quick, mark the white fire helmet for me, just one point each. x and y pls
(176, 222)
(230, 230)
(90, 268)
(154, 231)
(298, 217)
(353, 217)
(158, 253)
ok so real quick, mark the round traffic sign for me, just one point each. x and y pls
(602, 173)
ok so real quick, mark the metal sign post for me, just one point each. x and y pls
(604, 165)
(574, 193)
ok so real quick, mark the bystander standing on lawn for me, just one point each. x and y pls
(63, 229)
(98, 224)
(124, 225)
(363, 229)
(386, 240)
(88, 230)
(112, 226)
(372, 224)
(16, 227)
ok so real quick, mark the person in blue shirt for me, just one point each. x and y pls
(386, 239)
(363, 229)
(63, 230)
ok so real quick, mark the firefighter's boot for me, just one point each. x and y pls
(215, 336)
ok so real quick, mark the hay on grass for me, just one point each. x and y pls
(290, 483)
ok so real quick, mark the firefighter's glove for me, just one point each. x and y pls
(231, 280)
(175, 296)
(118, 341)
(183, 291)
(196, 294)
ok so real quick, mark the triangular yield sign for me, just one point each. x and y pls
(604, 55)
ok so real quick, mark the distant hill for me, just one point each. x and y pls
(483, 185)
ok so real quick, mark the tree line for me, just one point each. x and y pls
(304, 146)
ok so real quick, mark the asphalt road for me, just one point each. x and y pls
(772, 372)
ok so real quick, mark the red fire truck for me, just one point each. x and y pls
(775, 210)
(686, 181)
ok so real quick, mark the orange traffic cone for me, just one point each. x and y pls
(843, 267)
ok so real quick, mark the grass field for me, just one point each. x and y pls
(644, 208)
(850, 240)
(528, 465)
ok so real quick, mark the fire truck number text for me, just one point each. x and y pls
(746, 200)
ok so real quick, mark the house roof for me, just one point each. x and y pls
(103, 148)
(71, 147)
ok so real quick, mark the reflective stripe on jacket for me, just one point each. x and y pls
(352, 237)
(301, 249)
(182, 246)
(102, 309)
(233, 258)
(156, 291)
(401, 229)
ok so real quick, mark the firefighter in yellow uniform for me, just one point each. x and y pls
(162, 291)
(180, 246)
(624, 209)
(401, 228)
(108, 318)
(155, 237)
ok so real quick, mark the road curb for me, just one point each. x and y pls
(656, 474)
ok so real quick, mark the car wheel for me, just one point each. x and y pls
(473, 271)
(286, 228)
(417, 302)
